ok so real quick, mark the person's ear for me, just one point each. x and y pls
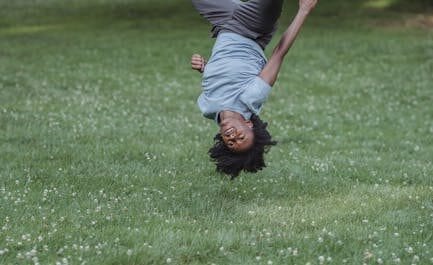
(249, 124)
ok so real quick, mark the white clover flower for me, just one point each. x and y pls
(409, 249)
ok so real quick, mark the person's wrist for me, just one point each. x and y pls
(304, 11)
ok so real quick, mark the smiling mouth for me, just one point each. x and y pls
(229, 131)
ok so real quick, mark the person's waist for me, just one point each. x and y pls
(231, 39)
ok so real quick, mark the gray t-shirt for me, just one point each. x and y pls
(231, 77)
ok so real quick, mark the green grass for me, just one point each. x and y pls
(103, 149)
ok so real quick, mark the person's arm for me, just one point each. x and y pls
(270, 71)
(198, 62)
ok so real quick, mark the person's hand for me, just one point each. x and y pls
(198, 62)
(307, 5)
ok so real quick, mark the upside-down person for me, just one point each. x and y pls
(238, 78)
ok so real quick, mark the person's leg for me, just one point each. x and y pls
(215, 11)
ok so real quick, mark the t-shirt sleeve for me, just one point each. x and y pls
(255, 94)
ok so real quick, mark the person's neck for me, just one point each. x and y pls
(228, 114)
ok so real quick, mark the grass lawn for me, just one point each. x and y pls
(103, 149)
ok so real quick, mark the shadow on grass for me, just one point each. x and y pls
(418, 6)
(30, 16)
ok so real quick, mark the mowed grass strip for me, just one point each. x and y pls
(103, 150)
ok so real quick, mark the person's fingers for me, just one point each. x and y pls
(196, 57)
(196, 66)
(196, 63)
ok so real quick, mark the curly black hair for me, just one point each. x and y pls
(232, 163)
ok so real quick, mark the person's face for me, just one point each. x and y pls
(237, 134)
